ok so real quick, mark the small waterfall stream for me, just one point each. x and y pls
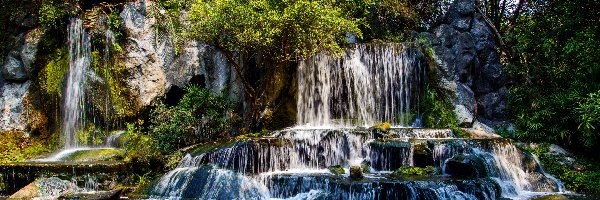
(79, 62)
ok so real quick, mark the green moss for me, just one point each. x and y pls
(382, 126)
(336, 169)
(415, 171)
(19, 147)
(93, 155)
(52, 74)
(356, 173)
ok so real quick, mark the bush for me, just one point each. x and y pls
(437, 110)
(587, 180)
(200, 116)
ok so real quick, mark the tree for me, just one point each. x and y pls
(280, 32)
(557, 72)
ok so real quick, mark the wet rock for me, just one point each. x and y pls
(97, 195)
(466, 166)
(49, 188)
(356, 173)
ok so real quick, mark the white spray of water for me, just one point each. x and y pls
(370, 84)
(74, 102)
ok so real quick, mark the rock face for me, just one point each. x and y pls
(12, 116)
(14, 80)
(155, 68)
(468, 65)
(18, 63)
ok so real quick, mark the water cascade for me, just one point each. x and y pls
(79, 62)
(370, 84)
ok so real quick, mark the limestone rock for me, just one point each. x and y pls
(18, 64)
(155, 68)
(12, 116)
(13, 70)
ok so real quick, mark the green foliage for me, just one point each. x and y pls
(557, 74)
(200, 116)
(283, 30)
(390, 20)
(51, 76)
(14, 147)
(587, 181)
(588, 111)
(416, 171)
(140, 148)
(51, 12)
(261, 133)
(90, 135)
(437, 110)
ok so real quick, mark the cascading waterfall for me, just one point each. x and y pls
(368, 85)
(79, 62)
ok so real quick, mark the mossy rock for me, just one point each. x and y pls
(416, 171)
(93, 155)
(337, 170)
(385, 126)
(356, 173)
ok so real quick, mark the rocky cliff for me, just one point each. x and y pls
(468, 66)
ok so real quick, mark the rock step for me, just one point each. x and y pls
(14, 176)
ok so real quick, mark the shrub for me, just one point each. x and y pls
(199, 116)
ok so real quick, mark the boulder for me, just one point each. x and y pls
(356, 173)
(467, 65)
(467, 166)
(12, 104)
(13, 70)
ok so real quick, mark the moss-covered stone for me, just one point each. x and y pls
(356, 173)
(94, 155)
(337, 170)
(415, 171)
(385, 126)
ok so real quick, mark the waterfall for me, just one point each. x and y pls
(74, 103)
(368, 85)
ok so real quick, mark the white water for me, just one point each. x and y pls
(505, 166)
(368, 85)
(61, 155)
(74, 96)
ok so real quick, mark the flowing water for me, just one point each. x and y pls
(292, 164)
(369, 84)
(74, 103)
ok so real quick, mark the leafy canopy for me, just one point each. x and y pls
(280, 29)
